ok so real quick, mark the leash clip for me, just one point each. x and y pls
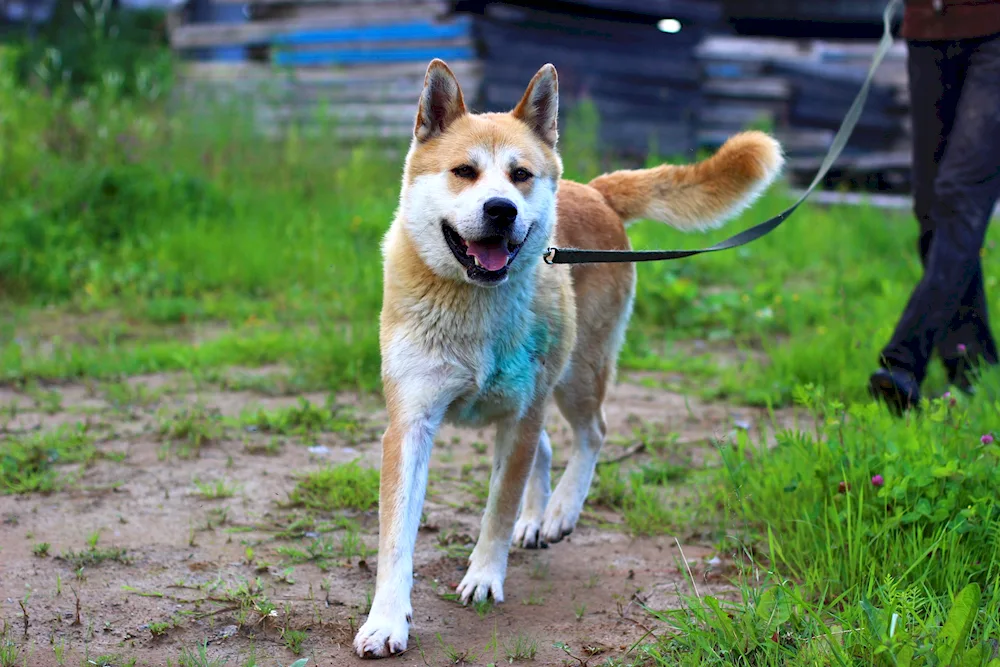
(549, 256)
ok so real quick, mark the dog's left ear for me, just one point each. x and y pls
(441, 102)
(539, 108)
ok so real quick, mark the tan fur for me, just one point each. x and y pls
(439, 335)
(491, 129)
(689, 196)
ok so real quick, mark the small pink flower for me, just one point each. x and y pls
(961, 348)
(878, 480)
(987, 439)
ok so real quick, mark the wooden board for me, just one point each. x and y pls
(638, 138)
(736, 116)
(192, 35)
(763, 88)
(507, 45)
(650, 104)
(385, 5)
(409, 31)
(701, 11)
(307, 94)
(328, 57)
(360, 74)
(877, 200)
(564, 29)
(756, 49)
(276, 123)
(347, 113)
(873, 161)
(372, 47)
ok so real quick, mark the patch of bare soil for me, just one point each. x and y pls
(202, 571)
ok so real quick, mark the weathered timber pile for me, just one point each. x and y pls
(645, 83)
(357, 66)
(803, 89)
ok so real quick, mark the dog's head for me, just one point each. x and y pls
(478, 197)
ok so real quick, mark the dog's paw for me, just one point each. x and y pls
(559, 522)
(482, 582)
(528, 533)
(382, 635)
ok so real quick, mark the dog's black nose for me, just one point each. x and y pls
(500, 212)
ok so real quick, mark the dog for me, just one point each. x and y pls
(476, 329)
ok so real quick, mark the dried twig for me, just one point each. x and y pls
(76, 621)
(24, 611)
(631, 451)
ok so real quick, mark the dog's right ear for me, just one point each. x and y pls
(441, 102)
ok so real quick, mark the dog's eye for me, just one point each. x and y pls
(520, 175)
(464, 171)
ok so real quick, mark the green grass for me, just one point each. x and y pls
(293, 640)
(10, 652)
(93, 555)
(840, 530)
(183, 242)
(180, 231)
(337, 487)
(215, 490)
(33, 462)
(324, 552)
(190, 429)
(199, 658)
(304, 420)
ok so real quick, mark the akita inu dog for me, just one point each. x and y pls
(477, 330)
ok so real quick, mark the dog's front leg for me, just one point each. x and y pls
(512, 460)
(406, 449)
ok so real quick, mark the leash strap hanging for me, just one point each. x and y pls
(578, 256)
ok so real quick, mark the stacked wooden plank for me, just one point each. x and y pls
(26, 11)
(807, 11)
(357, 66)
(803, 89)
(808, 19)
(644, 82)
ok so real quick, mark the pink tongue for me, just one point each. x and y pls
(492, 255)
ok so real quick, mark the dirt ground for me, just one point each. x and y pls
(183, 550)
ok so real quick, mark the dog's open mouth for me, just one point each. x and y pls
(485, 260)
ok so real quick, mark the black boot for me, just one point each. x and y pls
(897, 388)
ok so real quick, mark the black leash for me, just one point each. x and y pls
(577, 256)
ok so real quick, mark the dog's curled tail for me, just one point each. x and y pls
(698, 196)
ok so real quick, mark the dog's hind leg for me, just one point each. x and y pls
(580, 400)
(604, 297)
(513, 459)
(527, 530)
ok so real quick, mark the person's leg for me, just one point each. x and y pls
(936, 79)
(966, 189)
(968, 341)
(935, 87)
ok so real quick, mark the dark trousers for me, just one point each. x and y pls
(955, 107)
